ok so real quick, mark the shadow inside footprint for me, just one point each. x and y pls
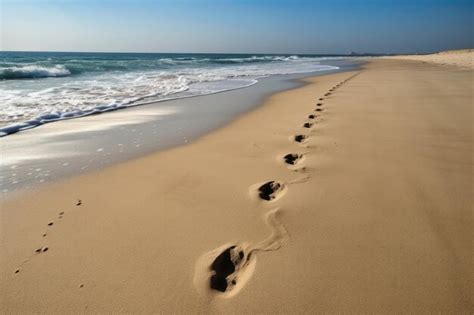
(300, 138)
(319, 109)
(307, 125)
(267, 190)
(291, 158)
(311, 116)
(223, 266)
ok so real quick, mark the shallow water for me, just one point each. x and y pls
(69, 147)
(38, 88)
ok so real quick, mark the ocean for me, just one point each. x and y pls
(42, 87)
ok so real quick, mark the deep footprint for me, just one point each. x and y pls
(292, 158)
(267, 191)
(300, 138)
(223, 266)
(307, 125)
(311, 116)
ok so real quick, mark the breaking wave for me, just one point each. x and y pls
(33, 72)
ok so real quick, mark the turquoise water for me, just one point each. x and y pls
(42, 87)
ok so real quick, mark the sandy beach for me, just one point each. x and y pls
(463, 58)
(352, 193)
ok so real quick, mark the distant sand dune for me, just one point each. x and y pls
(462, 58)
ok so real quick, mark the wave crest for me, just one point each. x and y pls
(33, 72)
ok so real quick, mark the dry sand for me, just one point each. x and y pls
(463, 58)
(375, 216)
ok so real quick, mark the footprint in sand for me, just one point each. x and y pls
(292, 158)
(270, 190)
(318, 110)
(41, 250)
(319, 104)
(300, 138)
(226, 270)
(224, 266)
(311, 116)
(307, 125)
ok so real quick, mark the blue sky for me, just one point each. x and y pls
(258, 26)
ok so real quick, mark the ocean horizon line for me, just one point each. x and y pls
(352, 54)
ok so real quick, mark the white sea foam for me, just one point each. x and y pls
(25, 104)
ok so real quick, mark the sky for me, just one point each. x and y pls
(237, 26)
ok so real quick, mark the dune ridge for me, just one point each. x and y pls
(463, 58)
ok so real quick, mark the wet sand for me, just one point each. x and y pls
(370, 210)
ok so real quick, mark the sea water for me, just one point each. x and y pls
(42, 87)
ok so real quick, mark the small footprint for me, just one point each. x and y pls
(292, 158)
(311, 116)
(307, 125)
(300, 138)
(41, 250)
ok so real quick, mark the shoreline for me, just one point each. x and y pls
(362, 219)
(72, 147)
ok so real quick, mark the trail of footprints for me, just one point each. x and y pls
(44, 249)
(228, 268)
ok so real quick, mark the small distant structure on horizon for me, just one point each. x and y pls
(365, 54)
